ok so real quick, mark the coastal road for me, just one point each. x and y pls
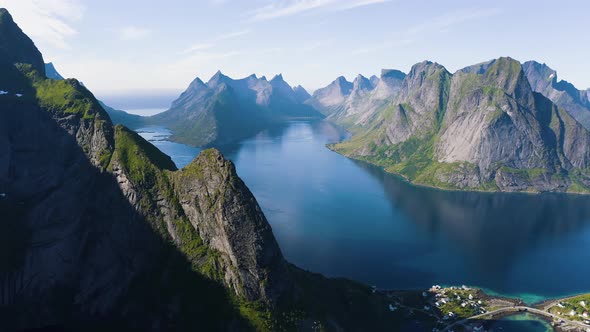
(516, 309)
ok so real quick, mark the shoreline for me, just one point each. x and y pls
(468, 190)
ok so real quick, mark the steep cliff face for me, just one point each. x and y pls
(483, 128)
(226, 215)
(545, 81)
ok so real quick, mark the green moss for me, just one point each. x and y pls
(105, 158)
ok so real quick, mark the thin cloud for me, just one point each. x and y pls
(198, 47)
(233, 34)
(134, 33)
(434, 25)
(47, 21)
(381, 47)
(284, 8)
(356, 4)
(211, 43)
(448, 20)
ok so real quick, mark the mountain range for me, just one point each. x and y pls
(225, 110)
(485, 127)
(101, 231)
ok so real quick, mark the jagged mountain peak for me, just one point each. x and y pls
(392, 74)
(218, 78)
(341, 79)
(301, 94)
(541, 68)
(278, 77)
(374, 80)
(51, 72)
(503, 73)
(343, 85)
(16, 46)
(197, 82)
(544, 79)
(361, 83)
(335, 93)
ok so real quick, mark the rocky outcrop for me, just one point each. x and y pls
(223, 210)
(483, 128)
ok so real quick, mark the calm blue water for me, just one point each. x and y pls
(520, 323)
(345, 218)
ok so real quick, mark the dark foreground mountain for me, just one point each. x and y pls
(483, 128)
(225, 110)
(101, 232)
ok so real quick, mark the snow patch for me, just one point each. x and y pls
(2, 92)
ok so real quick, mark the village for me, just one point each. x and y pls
(453, 309)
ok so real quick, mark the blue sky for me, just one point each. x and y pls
(118, 46)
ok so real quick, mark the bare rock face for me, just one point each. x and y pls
(224, 211)
(494, 126)
(422, 98)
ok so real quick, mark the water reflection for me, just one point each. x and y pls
(502, 238)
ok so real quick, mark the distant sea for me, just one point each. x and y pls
(144, 103)
(145, 111)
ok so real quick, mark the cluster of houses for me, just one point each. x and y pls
(573, 313)
(442, 298)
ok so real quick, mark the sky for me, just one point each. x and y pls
(131, 46)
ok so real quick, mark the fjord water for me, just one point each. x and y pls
(345, 218)
(523, 322)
